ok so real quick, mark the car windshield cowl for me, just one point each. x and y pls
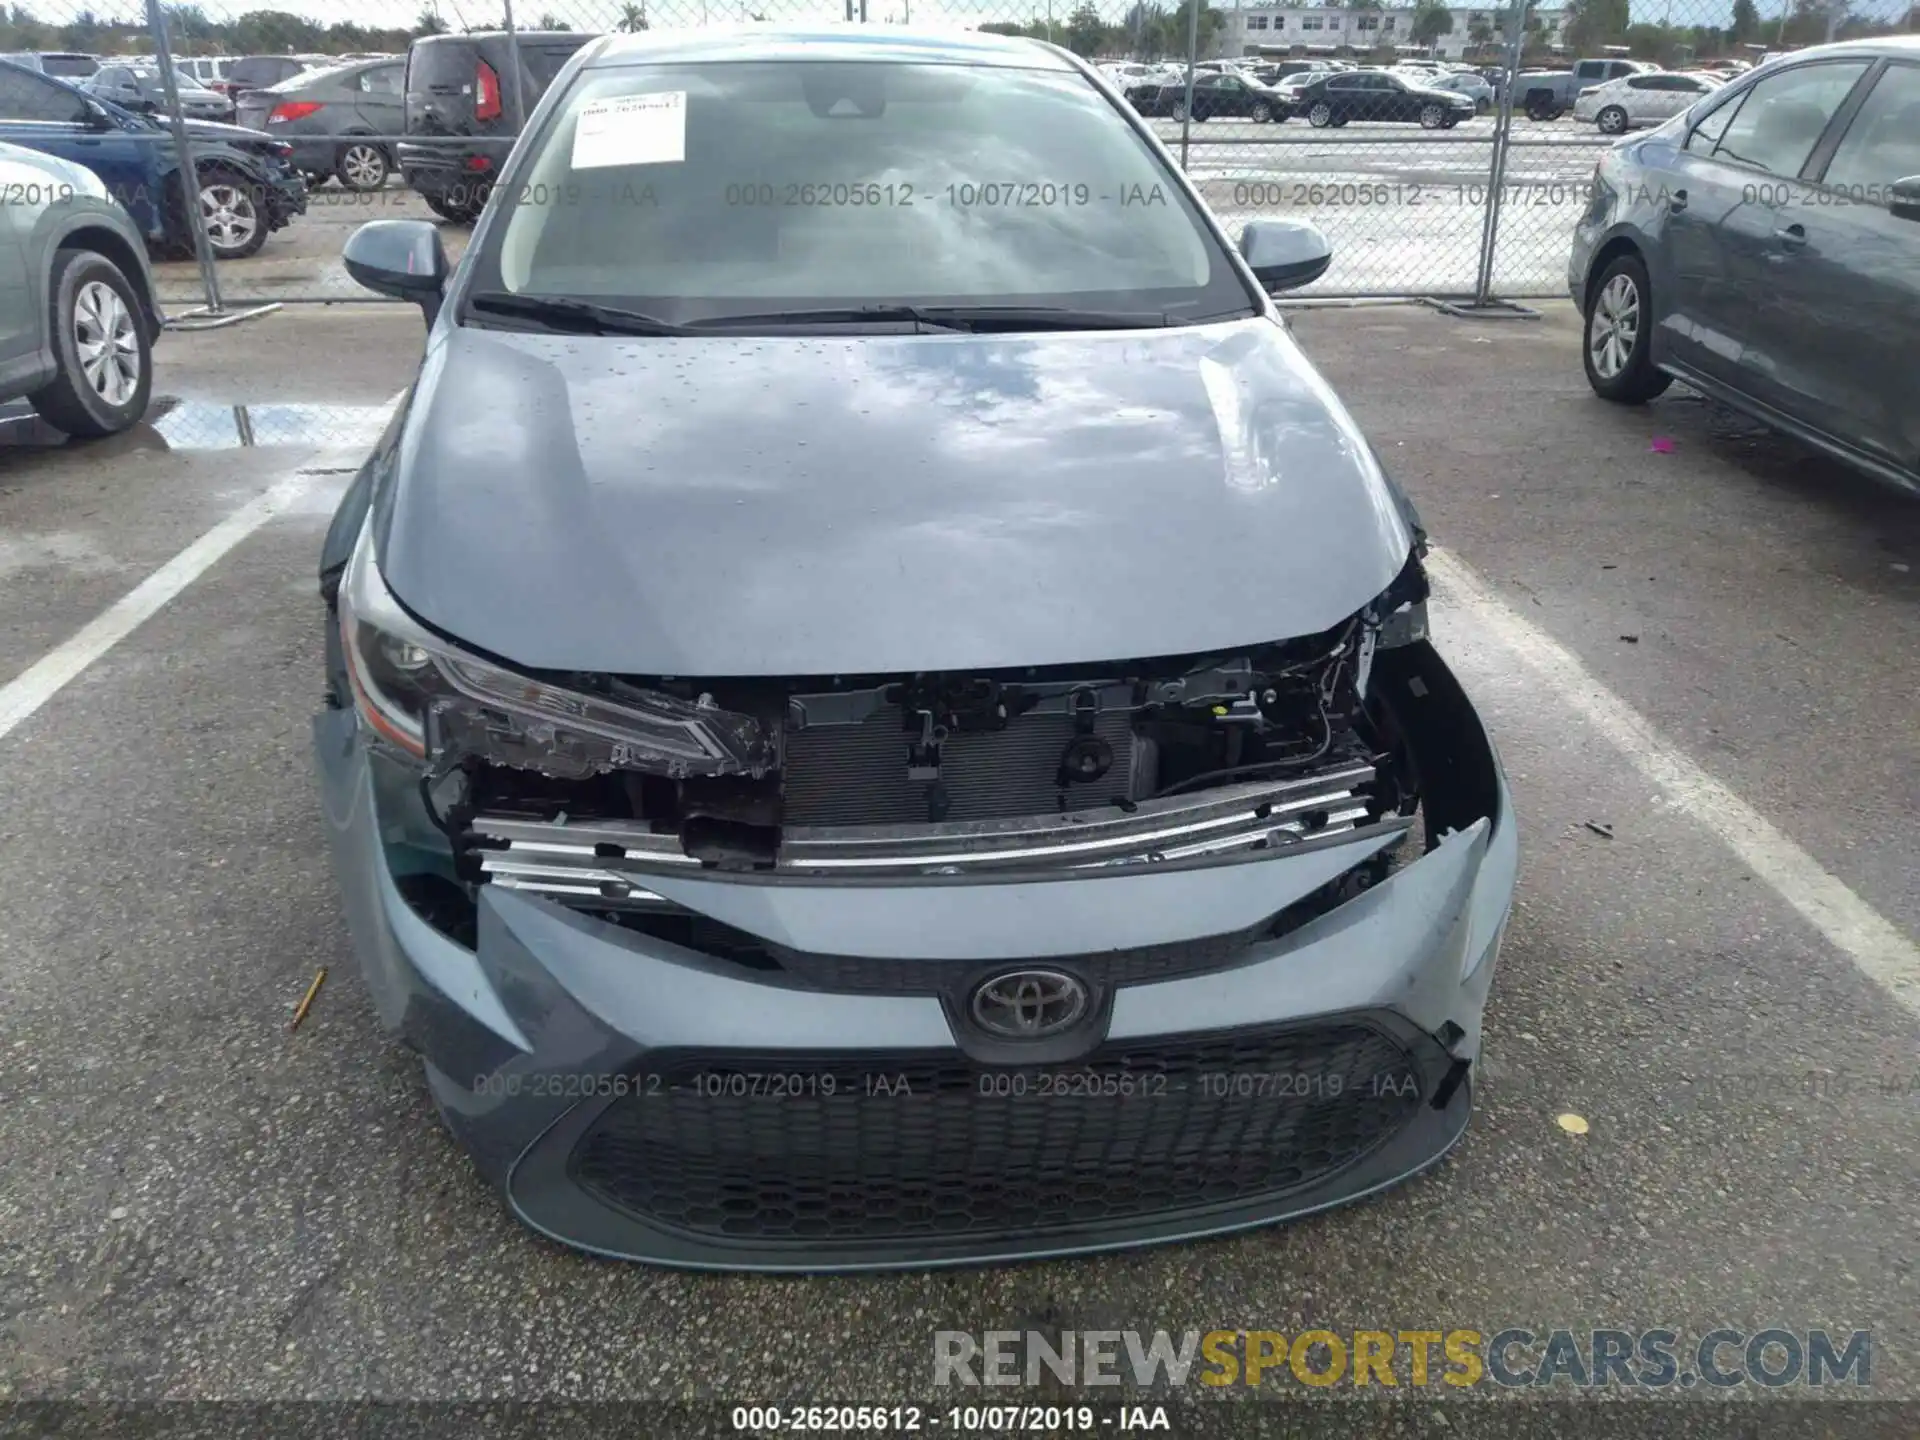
(953, 317)
(572, 314)
(557, 312)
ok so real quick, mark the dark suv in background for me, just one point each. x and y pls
(461, 116)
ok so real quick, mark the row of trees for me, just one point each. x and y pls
(1152, 31)
(1594, 23)
(266, 32)
(1149, 30)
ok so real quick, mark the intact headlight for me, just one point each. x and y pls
(430, 699)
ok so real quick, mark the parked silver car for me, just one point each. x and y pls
(78, 317)
(1764, 247)
(889, 726)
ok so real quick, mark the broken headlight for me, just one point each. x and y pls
(427, 697)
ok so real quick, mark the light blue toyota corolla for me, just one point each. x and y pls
(881, 712)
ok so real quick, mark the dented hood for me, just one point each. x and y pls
(843, 505)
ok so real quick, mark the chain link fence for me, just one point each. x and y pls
(1445, 150)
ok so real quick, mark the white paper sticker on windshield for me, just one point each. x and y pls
(633, 130)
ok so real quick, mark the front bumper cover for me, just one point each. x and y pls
(520, 1029)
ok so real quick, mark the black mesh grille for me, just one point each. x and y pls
(933, 1145)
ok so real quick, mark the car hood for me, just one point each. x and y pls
(845, 505)
(199, 129)
(232, 134)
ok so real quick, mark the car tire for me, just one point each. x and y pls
(1612, 121)
(233, 208)
(1432, 117)
(1262, 113)
(1616, 339)
(462, 206)
(363, 166)
(99, 329)
(1177, 110)
(1321, 115)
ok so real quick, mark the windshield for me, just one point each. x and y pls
(697, 191)
(151, 75)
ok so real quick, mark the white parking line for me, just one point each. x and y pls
(1867, 938)
(54, 671)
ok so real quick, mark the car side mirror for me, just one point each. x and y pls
(401, 258)
(1285, 254)
(1903, 198)
(97, 117)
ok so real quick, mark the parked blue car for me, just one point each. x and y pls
(246, 184)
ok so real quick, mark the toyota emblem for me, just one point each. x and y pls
(1029, 1004)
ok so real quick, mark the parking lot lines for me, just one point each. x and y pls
(46, 677)
(1852, 926)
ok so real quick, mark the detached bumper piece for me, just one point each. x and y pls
(860, 1159)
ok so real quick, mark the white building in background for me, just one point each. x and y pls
(1311, 29)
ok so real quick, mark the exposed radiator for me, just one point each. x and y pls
(857, 774)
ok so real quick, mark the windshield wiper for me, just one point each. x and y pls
(558, 313)
(954, 317)
(835, 315)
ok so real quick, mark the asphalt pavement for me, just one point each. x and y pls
(1697, 660)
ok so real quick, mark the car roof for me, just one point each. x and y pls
(1872, 45)
(896, 43)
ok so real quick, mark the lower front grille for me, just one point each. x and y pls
(868, 1148)
(857, 774)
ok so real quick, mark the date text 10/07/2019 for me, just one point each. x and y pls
(1088, 1083)
(987, 1419)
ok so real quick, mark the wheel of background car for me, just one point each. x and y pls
(1178, 110)
(231, 210)
(1612, 121)
(462, 205)
(1321, 115)
(1617, 340)
(1262, 112)
(362, 165)
(1432, 117)
(100, 341)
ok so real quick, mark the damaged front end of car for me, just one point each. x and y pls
(607, 908)
(586, 788)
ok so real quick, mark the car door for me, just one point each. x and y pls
(55, 119)
(380, 100)
(1707, 306)
(1757, 162)
(1389, 98)
(1233, 97)
(116, 83)
(1836, 330)
(20, 299)
(1214, 95)
(1641, 96)
(1345, 95)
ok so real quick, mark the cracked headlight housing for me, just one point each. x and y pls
(427, 698)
